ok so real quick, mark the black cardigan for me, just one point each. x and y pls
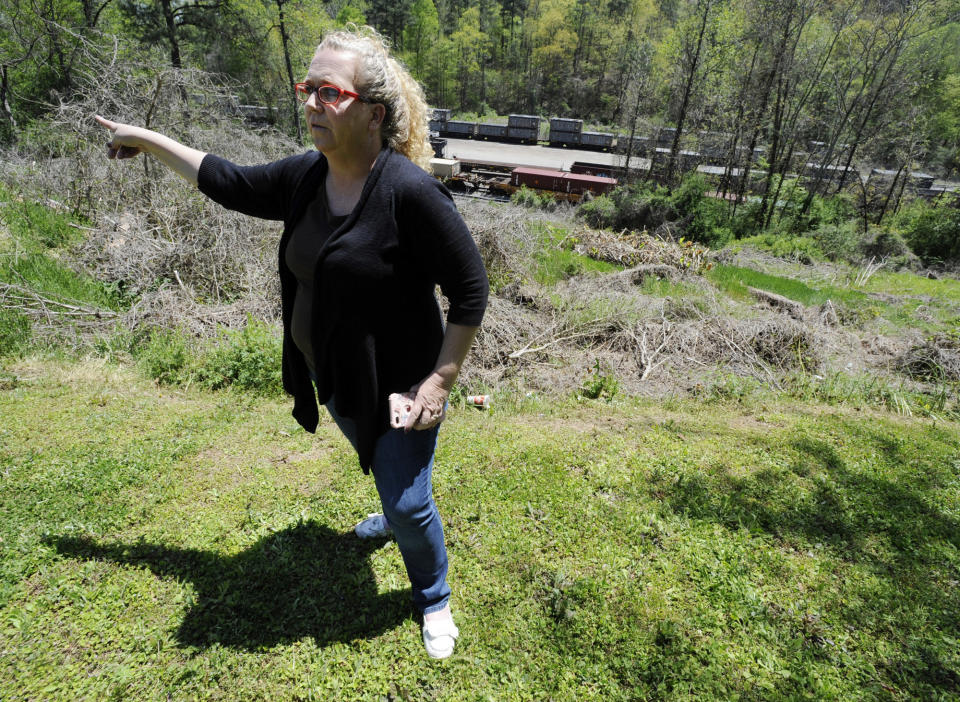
(377, 327)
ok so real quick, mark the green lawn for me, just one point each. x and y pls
(181, 544)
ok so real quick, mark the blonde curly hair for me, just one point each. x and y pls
(381, 78)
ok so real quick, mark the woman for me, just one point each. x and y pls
(367, 236)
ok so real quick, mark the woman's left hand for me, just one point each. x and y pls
(429, 404)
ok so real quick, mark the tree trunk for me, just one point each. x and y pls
(171, 33)
(4, 103)
(285, 41)
(687, 90)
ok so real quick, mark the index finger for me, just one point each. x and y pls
(112, 126)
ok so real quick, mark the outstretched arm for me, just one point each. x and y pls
(128, 141)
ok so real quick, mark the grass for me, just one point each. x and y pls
(184, 544)
(555, 260)
(30, 254)
(900, 300)
(734, 280)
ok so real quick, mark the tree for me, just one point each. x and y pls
(164, 21)
(470, 49)
(421, 33)
(692, 41)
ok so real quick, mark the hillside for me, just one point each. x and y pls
(705, 474)
(182, 544)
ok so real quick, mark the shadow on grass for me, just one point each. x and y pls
(821, 498)
(305, 581)
(880, 513)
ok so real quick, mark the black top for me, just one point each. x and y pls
(377, 326)
(303, 251)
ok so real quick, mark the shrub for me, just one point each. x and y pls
(14, 332)
(838, 241)
(880, 243)
(834, 209)
(599, 383)
(599, 212)
(164, 356)
(248, 359)
(629, 207)
(710, 224)
(933, 233)
(686, 198)
(527, 197)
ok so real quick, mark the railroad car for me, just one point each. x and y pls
(523, 129)
(642, 145)
(596, 169)
(561, 181)
(602, 141)
(565, 131)
(564, 138)
(829, 172)
(915, 179)
(665, 136)
(491, 132)
(459, 129)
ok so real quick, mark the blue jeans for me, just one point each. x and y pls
(402, 469)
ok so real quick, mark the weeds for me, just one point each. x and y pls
(14, 332)
(600, 383)
(540, 200)
(246, 359)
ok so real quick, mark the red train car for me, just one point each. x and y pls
(561, 181)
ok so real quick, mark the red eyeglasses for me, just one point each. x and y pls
(327, 94)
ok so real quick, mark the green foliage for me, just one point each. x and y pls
(555, 259)
(34, 224)
(247, 359)
(734, 280)
(165, 356)
(933, 233)
(644, 206)
(789, 216)
(887, 244)
(804, 249)
(710, 223)
(689, 194)
(600, 383)
(41, 235)
(599, 212)
(14, 332)
(633, 207)
(528, 197)
(350, 14)
(838, 241)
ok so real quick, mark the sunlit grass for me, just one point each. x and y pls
(188, 544)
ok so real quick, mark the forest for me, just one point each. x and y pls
(873, 81)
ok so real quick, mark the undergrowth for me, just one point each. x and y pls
(246, 359)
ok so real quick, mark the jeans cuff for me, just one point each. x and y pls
(437, 607)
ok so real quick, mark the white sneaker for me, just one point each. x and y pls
(373, 527)
(439, 637)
